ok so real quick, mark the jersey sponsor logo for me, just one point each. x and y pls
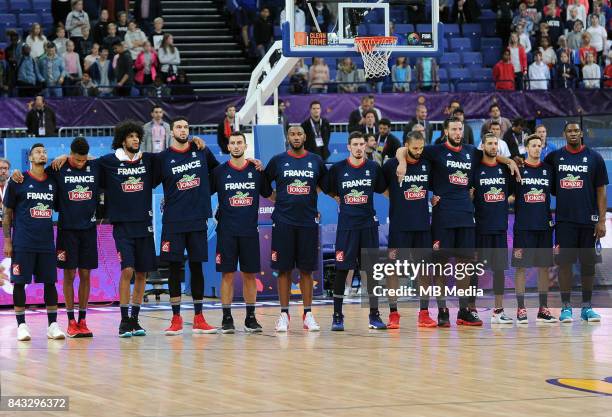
(165, 246)
(186, 167)
(458, 178)
(40, 196)
(339, 256)
(241, 199)
(40, 211)
(298, 173)
(415, 192)
(274, 256)
(518, 253)
(78, 179)
(61, 255)
(218, 259)
(132, 171)
(573, 168)
(357, 183)
(132, 185)
(494, 195)
(492, 181)
(80, 193)
(188, 182)
(535, 181)
(571, 182)
(16, 269)
(355, 197)
(298, 187)
(535, 196)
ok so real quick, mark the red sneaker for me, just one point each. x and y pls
(425, 320)
(176, 326)
(200, 325)
(394, 319)
(85, 332)
(73, 329)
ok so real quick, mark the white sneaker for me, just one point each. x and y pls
(282, 324)
(501, 318)
(23, 333)
(54, 332)
(347, 292)
(310, 323)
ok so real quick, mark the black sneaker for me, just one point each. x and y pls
(227, 325)
(125, 328)
(466, 318)
(251, 325)
(137, 329)
(443, 317)
(544, 316)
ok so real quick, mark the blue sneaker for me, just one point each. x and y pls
(338, 323)
(588, 314)
(566, 315)
(376, 322)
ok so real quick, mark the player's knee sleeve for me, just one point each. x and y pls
(19, 295)
(339, 282)
(50, 294)
(174, 280)
(197, 280)
(499, 282)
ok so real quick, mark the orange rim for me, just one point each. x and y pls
(368, 43)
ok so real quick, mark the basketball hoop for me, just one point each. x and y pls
(375, 52)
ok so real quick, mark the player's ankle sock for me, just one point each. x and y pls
(176, 308)
(392, 307)
(307, 309)
(566, 299)
(125, 311)
(20, 316)
(227, 310)
(197, 307)
(441, 301)
(463, 302)
(424, 304)
(543, 299)
(135, 311)
(250, 310)
(82, 313)
(285, 310)
(70, 314)
(498, 310)
(586, 298)
(520, 300)
(51, 316)
(338, 299)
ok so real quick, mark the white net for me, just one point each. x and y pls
(375, 51)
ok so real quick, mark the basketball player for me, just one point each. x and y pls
(580, 186)
(533, 229)
(492, 187)
(184, 172)
(238, 185)
(297, 175)
(354, 181)
(409, 231)
(28, 209)
(453, 216)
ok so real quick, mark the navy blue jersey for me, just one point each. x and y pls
(577, 177)
(492, 186)
(355, 185)
(532, 202)
(33, 202)
(127, 188)
(408, 206)
(296, 179)
(451, 173)
(77, 194)
(238, 190)
(185, 176)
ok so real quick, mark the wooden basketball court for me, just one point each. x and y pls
(408, 372)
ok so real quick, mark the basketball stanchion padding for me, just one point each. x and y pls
(375, 52)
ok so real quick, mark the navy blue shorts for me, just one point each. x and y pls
(77, 249)
(173, 245)
(453, 242)
(294, 247)
(532, 248)
(234, 249)
(349, 244)
(576, 242)
(415, 245)
(137, 253)
(492, 250)
(40, 264)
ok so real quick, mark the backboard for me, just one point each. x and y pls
(328, 28)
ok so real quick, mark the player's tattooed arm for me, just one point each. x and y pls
(400, 154)
(258, 165)
(512, 166)
(17, 176)
(198, 142)
(602, 204)
(7, 222)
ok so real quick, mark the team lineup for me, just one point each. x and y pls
(464, 222)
